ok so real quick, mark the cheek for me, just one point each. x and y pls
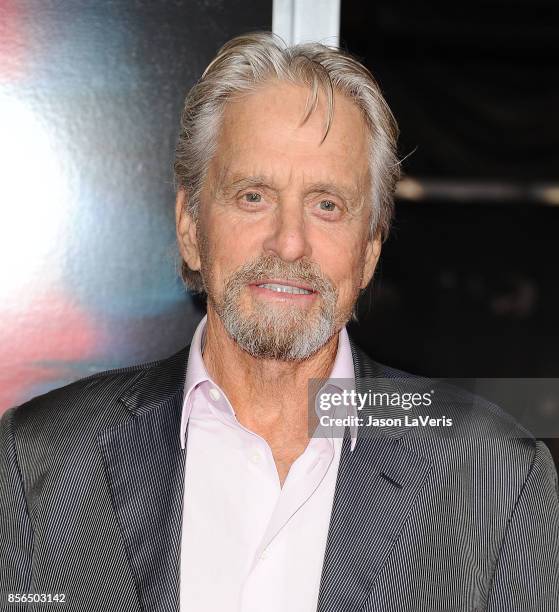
(229, 247)
(341, 261)
(350, 282)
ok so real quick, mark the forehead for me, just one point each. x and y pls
(261, 134)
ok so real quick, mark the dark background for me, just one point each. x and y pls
(467, 284)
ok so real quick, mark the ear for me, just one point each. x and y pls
(186, 232)
(372, 254)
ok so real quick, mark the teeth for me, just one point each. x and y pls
(285, 288)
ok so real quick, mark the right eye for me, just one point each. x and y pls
(252, 197)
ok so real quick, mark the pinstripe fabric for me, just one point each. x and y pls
(91, 488)
(92, 475)
(421, 521)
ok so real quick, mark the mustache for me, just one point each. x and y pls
(270, 266)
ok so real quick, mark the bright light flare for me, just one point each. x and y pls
(34, 198)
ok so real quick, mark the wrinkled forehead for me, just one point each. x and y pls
(263, 133)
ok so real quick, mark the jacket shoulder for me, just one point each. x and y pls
(471, 412)
(485, 451)
(90, 403)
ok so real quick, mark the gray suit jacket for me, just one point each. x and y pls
(91, 485)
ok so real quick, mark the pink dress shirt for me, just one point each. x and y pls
(248, 544)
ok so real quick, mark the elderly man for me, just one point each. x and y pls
(193, 483)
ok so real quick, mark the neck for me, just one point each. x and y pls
(269, 396)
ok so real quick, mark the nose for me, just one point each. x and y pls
(288, 238)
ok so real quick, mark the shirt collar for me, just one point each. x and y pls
(342, 375)
(196, 374)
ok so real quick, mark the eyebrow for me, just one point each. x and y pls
(346, 193)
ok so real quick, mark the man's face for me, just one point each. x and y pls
(283, 234)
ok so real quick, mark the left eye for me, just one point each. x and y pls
(252, 197)
(327, 205)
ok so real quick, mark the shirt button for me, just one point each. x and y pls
(264, 554)
(255, 458)
(215, 394)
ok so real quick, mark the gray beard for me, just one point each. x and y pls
(281, 333)
(269, 334)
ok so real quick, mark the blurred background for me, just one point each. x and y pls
(90, 97)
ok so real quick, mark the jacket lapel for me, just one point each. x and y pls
(376, 489)
(145, 469)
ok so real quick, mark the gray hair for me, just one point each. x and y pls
(251, 60)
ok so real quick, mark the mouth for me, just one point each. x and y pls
(282, 288)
